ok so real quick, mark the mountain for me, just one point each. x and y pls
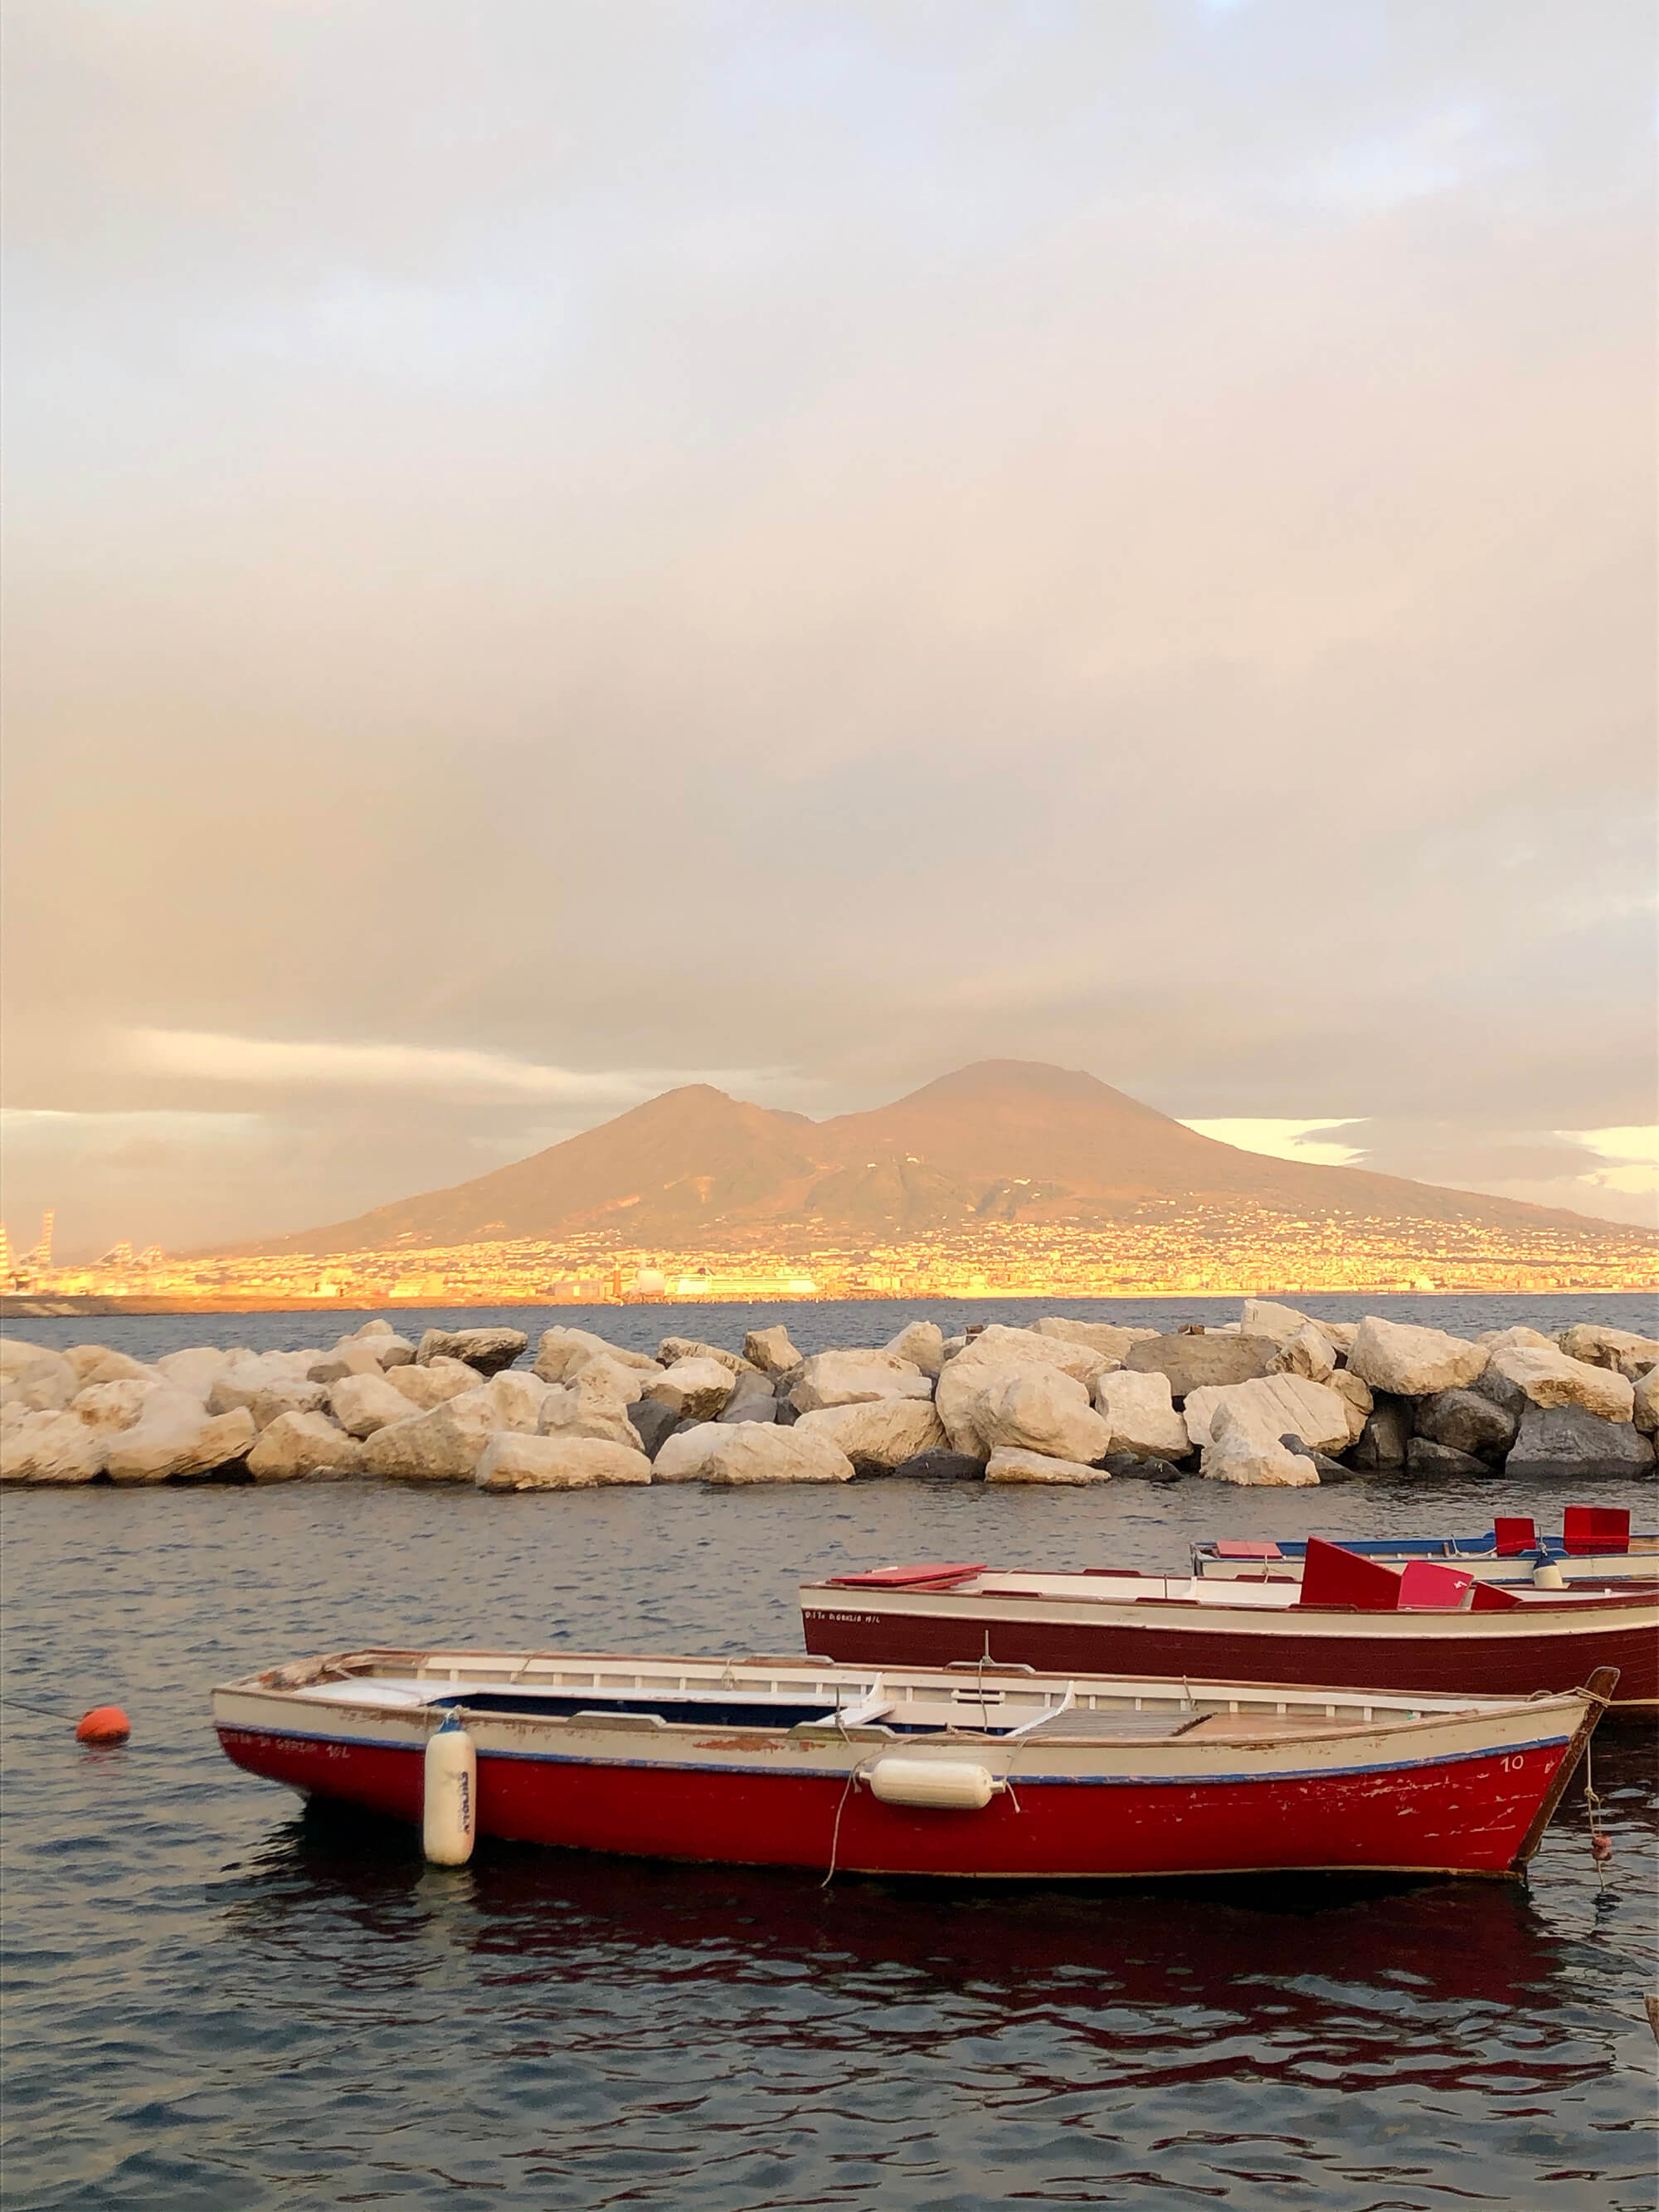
(1003, 1140)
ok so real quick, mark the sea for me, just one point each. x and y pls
(217, 2000)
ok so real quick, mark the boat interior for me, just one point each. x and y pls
(975, 1698)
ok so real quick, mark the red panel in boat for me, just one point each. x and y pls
(1425, 1586)
(1514, 1536)
(1596, 1528)
(1332, 1576)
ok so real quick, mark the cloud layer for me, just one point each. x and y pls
(831, 542)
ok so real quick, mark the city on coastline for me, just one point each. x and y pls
(1166, 1248)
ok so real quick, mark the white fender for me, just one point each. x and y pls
(449, 1806)
(947, 1784)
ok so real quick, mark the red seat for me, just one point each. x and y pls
(1427, 1587)
(1515, 1536)
(1596, 1528)
(1231, 1551)
(906, 1577)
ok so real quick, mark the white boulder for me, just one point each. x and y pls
(298, 1445)
(1412, 1363)
(49, 1447)
(1550, 1378)
(1308, 1353)
(278, 1398)
(519, 1397)
(361, 1403)
(1645, 1409)
(564, 1352)
(755, 1451)
(988, 1360)
(1104, 1337)
(511, 1460)
(673, 1349)
(851, 1378)
(595, 1405)
(1007, 1463)
(175, 1434)
(1139, 1411)
(1277, 1404)
(771, 1351)
(195, 1369)
(1355, 1395)
(1239, 1451)
(1598, 1346)
(694, 1389)
(443, 1446)
(96, 1363)
(351, 1355)
(44, 1385)
(108, 1408)
(240, 1381)
(423, 1387)
(921, 1344)
(1503, 1339)
(17, 1351)
(1041, 1410)
(684, 1457)
(878, 1434)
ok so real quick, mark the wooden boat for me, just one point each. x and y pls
(1596, 1545)
(979, 1772)
(1428, 1628)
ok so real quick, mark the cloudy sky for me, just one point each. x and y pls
(563, 546)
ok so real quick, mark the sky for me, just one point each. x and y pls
(563, 547)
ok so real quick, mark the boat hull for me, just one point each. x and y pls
(1473, 1655)
(1469, 1812)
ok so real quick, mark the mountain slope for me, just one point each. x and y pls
(1002, 1140)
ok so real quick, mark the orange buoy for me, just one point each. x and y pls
(103, 1724)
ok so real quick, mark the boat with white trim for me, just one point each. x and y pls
(1427, 1628)
(979, 1772)
(1596, 1545)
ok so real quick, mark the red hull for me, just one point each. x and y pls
(1465, 1815)
(1486, 1666)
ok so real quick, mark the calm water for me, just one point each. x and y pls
(216, 2001)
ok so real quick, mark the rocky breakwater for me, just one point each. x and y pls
(1277, 1397)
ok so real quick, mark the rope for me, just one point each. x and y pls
(46, 1712)
(834, 1834)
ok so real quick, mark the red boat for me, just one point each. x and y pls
(977, 1772)
(1426, 1628)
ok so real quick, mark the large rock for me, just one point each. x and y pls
(423, 1387)
(694, 1389)
(389, 1348)
(1240, 1451)
(1261, 1317)
(44, 1385)
(443, 1446)
(685, 1456)
(753, 1399)
(175, 1435)
(1383, 1437)
(598, 1403)
(96, 1363)
(19, 1351)
(854, 1378)
(512, 1461)
(1645, 1402)
(109, 1407)
(1008, 1463)
(1489, 1384)
(1466, 1421)
(878, 1434)
(1140, 1413)
(1424, 1456)
(1208, 1362)
(487, 1350)
(673, 1349)
(990, 1360)
(751, 1453)
(564, 1352)
(350, 1357)
(196, 1369)
(298, 1445)
(1597, 1346)
(770, 1350)
(517, 1399)
(1410, 1361)
(1355, 1395)
(363, 1403)
(240, 1382)
(1566, 1440)
(50, 1447)
(941, 1467)
(922, 1343)
(1504, 1339)
(1273, 1403)
(1548, 1378)
(1039, 1410)
(653, 1425)
(1309, 1353)
(1104, 1337)
(278, 1398)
